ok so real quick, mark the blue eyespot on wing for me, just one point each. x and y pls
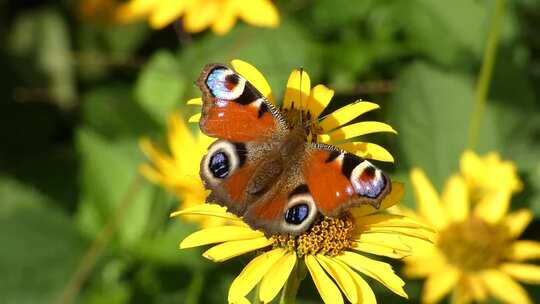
(224, 84)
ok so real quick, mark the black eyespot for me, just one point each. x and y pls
(297, 214)
(219, 165)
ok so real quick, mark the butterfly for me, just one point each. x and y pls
(265, 171)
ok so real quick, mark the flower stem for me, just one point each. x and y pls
(482, 85)
(288, 295)
(76, 282)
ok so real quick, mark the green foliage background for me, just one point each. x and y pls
(77, 95)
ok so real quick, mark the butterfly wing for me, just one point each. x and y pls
(248, 128)
(234, 110)
(325, 181)
(338, 180)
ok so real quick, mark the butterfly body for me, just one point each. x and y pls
(264, 170)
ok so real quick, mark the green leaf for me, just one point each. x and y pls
(54, 57)
(431, 111)
(40, 245)
(111, 111)
(41, 36)
(123, 40)
(451, 33)
(108, 178)
(109, 286)
(160, 85)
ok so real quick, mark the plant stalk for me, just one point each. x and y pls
(288, 295)
(486, 71)
(76, 282)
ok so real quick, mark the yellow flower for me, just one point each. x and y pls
(197, 15)
(476, 253)
(485, 175)
(331, 250)
(302, 102)
(179, 172)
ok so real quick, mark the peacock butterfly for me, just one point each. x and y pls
(266, 171)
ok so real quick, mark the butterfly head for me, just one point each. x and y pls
(302, 119)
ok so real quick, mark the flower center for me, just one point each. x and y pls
(296, 117)
(474, 244)
(328, 236)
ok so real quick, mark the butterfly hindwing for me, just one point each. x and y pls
(233, 109)
(339, 180)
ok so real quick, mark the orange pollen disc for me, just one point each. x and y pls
(328, 236)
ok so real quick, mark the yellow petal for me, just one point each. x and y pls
(200, 15)
(395, 242)
(195, 118)
(368, 151)
(392, 220)
(517, 221)
(493, 207)
(319, 99)
(461, 295)
(228, 250)
(297, 91)
(427, 199)
(254, 76)
(218, 235)
(408, 232)
(207, 210)
(391, 199)
(276, 277)
(152, 175)
(524, 250)
(227, 18)
(476, 286)
(363, 290)
(195, 101)
(242, 300)
(526, 273)
(327, 289)
(424, 263)
(162, 161)
(357, 129)
(179, 138)
(455, 198)
(379, 271)
(504, 288)
(165, 12)
(378, 249)
(347, 113)
(259, 13)
(439, 284)
(340, 276)
(253, 273)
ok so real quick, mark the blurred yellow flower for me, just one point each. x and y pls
(301, 101)
(197, 15)
(331, 250)
(488, 174)
(179, 172)
(476, 253)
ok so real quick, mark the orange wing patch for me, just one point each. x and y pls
(328, 186)
(236, 122)
(270, 210)
(236, 184)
